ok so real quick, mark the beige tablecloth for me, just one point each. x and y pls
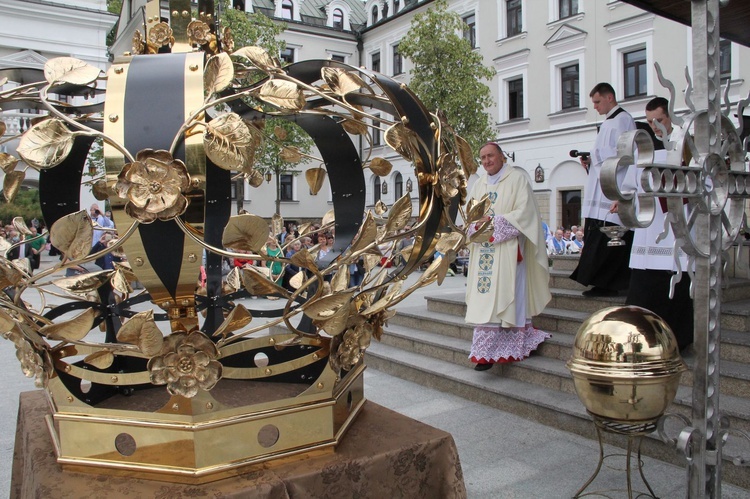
(383, 455)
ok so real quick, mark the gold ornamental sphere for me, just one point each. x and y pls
(626, 364)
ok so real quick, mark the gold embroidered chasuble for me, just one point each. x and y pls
(492, 273)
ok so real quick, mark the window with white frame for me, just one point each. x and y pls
(375, 189)
(513, 17)
(376, 131)
(287, 9)
(288, 55)
(570, 87)
(398, 186)
(375, 61)
(515, 98)
(725, 59)
(286, 187)
(567, 8)
(398, 61)
(634, 73)
(338, 58)
(338, 18)
(470, 30)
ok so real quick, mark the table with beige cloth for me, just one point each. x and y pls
(384, 454)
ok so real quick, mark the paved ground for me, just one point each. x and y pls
(502, 455)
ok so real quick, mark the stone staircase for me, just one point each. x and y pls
(429, 344)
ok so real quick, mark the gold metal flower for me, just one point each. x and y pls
(227, 40)
(138, 46)
(153, 185)
(198, 32)
(187, 363)
(32, 364)
(161, 35)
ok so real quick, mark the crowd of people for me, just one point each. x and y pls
(564, 241)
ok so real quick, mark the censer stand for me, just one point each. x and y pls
(634, 433)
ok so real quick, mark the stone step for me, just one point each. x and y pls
(560, 279)
(444, 315)
(566, 263)
(545, 367)
(560, 409)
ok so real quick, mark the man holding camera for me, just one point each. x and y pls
(601, 266)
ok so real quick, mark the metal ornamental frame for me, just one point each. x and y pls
(716, 184)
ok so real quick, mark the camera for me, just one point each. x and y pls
(575, 153)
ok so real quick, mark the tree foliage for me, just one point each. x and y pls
(253, 29)
(26, 205)
(448, 75)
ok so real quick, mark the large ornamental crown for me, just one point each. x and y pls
(188, 384)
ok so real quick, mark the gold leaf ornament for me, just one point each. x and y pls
(380, 207)
(101, 359)
(160, 35)
(331, 312)
(280, 132)
(259, 58)
(3, 127)
(141, 330)
(238, 318)
(380, 166)
(73, 330)
(254, 178)
(277, 224)
(303, 259)
(218, 74)
(400, 214)
(46, 144)
(341, 81)
(227, 40)
(20, 225)
(7, 162)
(290, 154)
(11, 184)
(99, 189)
(85, 283)
(354, 127)
(121, 283)
(399, 138)
(229, 143)
(73, 235)
(282, 94)
(10, 275)
(246, 233)
(466, 156)
(70, 70)
(258, 283)
(328, 218)
(315, 178)
(367, 233)
(477, 209)
(449, 241)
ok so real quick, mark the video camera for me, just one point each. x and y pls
(575, 153)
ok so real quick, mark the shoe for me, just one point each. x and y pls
(482, 367)
(597, 291)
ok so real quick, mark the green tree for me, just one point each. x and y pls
(448, 75)
(26, 205)
(258, 30)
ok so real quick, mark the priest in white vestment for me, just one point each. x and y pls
(508, 277)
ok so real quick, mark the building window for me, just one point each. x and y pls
(286, 187)
(514, 20)
(287, 55)
(375, 62)
(398, 61)
(238, 5)
(376, 189)
(376, 131)
(287, 9)
(385, 10)
(515, 98)
(374, 14)
(725, 59)
(568, 8)
(398, 186)
(338, 19)
(470, 30)
(634, 73)
(569, 80)
(338, 58)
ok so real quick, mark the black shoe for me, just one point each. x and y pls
(482, 367)
(597, 291)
